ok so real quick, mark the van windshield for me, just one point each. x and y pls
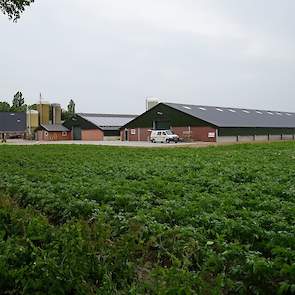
(169, 132)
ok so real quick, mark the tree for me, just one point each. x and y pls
(66, 114)
(33, 107)
(4, 106)
(18, 103)
(71, 107)
(14, 8)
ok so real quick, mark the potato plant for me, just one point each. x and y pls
(111, 220)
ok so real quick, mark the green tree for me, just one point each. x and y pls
(18, 103)
(14, 8)
(4, 106)
(71, 107)
(66, 114)
(33, 107)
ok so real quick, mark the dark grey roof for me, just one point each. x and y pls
(107, 121)
(235, 117)
(54, 128)
(12, 122)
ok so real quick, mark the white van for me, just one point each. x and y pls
(164, 136)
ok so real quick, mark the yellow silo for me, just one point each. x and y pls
(44, 110)
(32, 119)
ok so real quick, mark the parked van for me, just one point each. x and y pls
(164, 136)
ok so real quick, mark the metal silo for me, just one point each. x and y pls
(44, 110)
(56, 114)
(151, 102)
(32, 119)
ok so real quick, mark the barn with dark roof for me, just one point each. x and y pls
(13, 124)
(211, 124)
(97, 127)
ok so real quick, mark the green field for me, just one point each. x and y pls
(111, 220)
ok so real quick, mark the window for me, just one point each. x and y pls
(258, 112)
(46, 133)
(211, 134)
(133, 131)
(233, 111)
(245, 111)
(202, 109)
(219, 110)
(64, 133)
(159, 133)
(185, 107)
(270, 113)
(164, 133)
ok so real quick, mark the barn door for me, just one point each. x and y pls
(77, 133)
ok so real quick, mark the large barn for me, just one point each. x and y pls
(13, 124)
(211, 124)
(97, 127)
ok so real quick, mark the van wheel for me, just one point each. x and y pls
(167, 140)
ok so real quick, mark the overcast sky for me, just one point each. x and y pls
(108, 55)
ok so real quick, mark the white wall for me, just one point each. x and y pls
(227, 139)
(233, 139)
(261, 138)
(288, 137)
(246, 138)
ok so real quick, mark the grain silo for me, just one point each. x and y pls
(32, 119)
(151, 102)
(44, 110)
(56, 114)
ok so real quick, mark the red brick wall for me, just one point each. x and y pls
(186, 133)
(92, 135)
(195, 133)
(201, 134)
(139, 134)
(53, 136)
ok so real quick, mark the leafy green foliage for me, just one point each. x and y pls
(70, 112)
(14, 8)
(18, 103)
(4, 106)
(103, 220)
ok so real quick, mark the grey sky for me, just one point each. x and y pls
(108, 55)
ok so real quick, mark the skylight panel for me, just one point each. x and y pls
(219, 110)
(280, 114)
(270, 113)
(258, 112)
(233, 111)
(288, 114)
(185, 107)
(202, 109)
(245, 111)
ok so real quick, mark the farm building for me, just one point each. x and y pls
(211, 124)
(49, 132)
(12, 124)
(97, 127)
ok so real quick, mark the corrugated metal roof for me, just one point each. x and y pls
(107, 121)
(236, 117)
(54, 128)
(12, 122)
